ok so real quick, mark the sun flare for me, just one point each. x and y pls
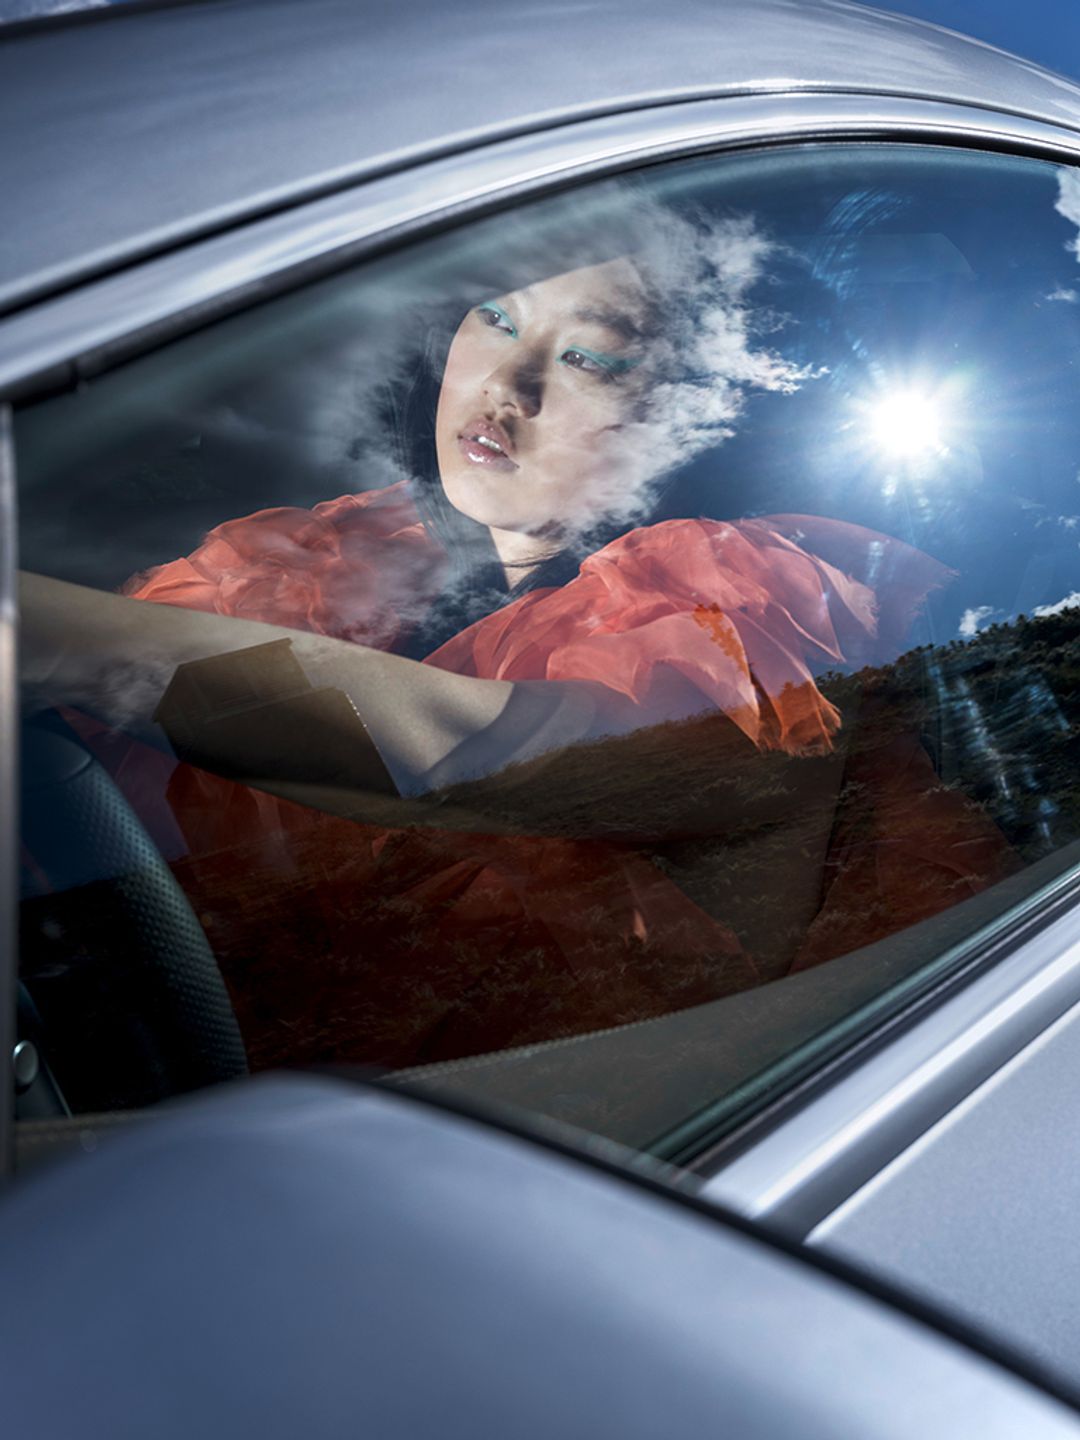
(906, 425)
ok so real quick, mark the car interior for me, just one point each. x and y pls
(928, 301)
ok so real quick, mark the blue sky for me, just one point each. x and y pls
(1047, 31)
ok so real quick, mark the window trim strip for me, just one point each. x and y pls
(57, 342)
(816, 1158)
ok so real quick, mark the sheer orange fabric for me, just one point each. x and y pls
(347, 942)
(691, 615)
(360, 568)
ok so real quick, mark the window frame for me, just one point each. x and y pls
(53, 345)
(850, 1120)
(9, 782)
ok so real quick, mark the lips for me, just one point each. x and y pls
(485, 442)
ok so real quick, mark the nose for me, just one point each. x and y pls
(516, 385)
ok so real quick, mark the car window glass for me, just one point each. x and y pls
(600, 658)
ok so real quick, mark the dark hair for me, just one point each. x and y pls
(695, 273)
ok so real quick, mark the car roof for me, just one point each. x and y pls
(142, 125)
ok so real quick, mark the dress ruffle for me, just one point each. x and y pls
(347, 942)
(673, 619)
(361, 568)
(695, 615)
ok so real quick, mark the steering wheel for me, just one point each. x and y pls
(131, 1000)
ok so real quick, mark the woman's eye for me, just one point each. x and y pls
(578, 360)
(496, 319)
(608, 367)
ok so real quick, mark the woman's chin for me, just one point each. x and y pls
(483, 497)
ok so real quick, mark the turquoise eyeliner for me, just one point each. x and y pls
(493, 309)
(610, 364)
(613, 364)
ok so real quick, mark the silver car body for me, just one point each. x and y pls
(169, 166)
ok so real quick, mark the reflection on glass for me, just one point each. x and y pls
(754, 485)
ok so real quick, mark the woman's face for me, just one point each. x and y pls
(532, 427)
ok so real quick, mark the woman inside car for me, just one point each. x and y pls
(512, 609)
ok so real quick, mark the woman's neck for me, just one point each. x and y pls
(520, 554)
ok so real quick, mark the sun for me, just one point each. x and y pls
(906, 424)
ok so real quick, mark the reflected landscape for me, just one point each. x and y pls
(648, 597)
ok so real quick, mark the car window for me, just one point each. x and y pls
(598, 656)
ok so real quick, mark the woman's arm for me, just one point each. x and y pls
(115, 658)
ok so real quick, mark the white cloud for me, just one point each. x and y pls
(972, 619)
(1067, 297)
(365, 360)
(1068, 202)
(1065, 522)
(705, 355)
(1069, 602)
(707, 361)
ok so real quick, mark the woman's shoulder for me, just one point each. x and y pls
(266, 537)
(385, 514)
(350, 567)
(858, 550)
(388, 511)
(738, 614)
(869, 585)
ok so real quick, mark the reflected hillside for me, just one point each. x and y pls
(998, 715)
(954, 767)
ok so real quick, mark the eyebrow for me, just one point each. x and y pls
(616, 320)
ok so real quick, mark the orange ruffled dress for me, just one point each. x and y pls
(346, 942)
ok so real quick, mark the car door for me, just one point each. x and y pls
(773, 963)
